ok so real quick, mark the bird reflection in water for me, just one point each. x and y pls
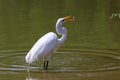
(39, 76)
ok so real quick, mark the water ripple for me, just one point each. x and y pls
(65, 60)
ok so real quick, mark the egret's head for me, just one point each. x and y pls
(65, 19)
(62, 30)
(68, 19)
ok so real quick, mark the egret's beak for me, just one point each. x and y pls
(68, 18)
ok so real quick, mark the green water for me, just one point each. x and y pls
(92, 48)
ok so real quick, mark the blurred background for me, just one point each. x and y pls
(22, 22)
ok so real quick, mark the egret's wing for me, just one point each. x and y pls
(42, 47)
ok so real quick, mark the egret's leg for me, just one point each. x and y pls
(46, 67)
(47, 61)
(44, 61)
(44, 64)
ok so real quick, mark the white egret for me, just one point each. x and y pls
(48, 43)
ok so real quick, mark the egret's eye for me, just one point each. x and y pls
(63, 20)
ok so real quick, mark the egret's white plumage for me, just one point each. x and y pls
(42, 47)
(48, 43)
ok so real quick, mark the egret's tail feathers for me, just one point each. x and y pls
(30, 58)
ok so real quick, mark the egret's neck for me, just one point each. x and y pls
(59, 28)
(61, 31)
